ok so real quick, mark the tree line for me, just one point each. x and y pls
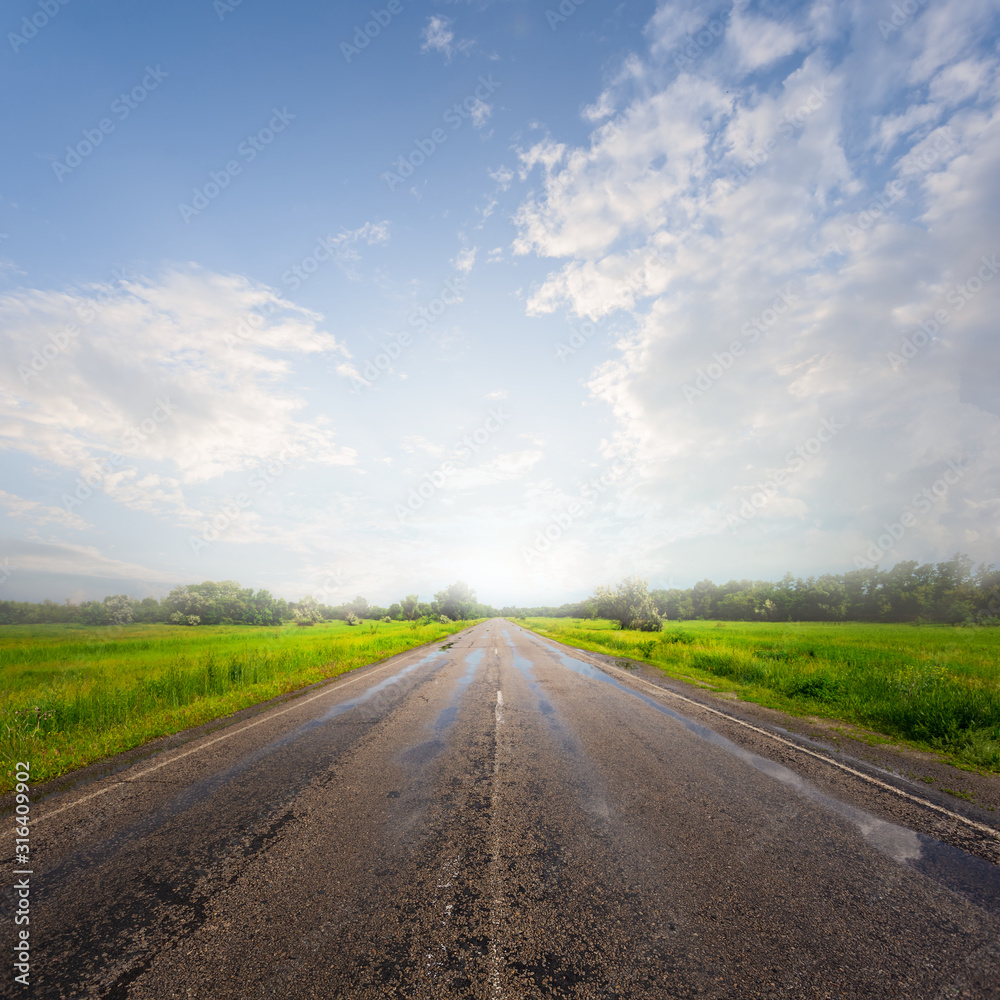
(227, 603)
(955, 591)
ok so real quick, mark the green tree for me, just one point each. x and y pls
(307, 611)
(119, 609)
(630, 604)
(457, 601)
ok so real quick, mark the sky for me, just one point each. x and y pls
(338, 299)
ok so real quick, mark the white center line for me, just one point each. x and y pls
(495, 880)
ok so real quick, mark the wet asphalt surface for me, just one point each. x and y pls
(497, 817)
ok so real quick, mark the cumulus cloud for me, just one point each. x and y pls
(151, 383)
(791, 277)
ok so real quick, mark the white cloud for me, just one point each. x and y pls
(760, 41)
(675, 22)
(503, 468)
(438, 36)
(466, 260)
(39, 513)
(503, 176)
(181, 372)
(604, 108)
(746, 191)
(480, 112)
(63, 558)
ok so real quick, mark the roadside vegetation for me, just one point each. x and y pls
(935, 687)
(71, 695)
(227, 603)
(956, 592)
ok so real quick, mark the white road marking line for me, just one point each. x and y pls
(496, 883)
(266, 717)
(975, 824)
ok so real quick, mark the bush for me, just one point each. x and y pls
(647, 625)
(630, 604)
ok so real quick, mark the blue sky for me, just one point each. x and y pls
(336, 302)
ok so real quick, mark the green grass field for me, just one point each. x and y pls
(934, 687)
(71, 694)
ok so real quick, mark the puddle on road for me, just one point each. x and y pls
(591, 792)
(523, 666)
(976, 880)
(201, 790)
(447, 715)
(420, 753)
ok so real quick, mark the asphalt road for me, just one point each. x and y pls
(497, 817)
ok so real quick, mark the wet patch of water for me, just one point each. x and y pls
(976, 880)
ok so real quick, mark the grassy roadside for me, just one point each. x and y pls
(71, 695)
(933, 687)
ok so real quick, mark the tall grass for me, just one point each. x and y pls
(934, 686)
(71, 695)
